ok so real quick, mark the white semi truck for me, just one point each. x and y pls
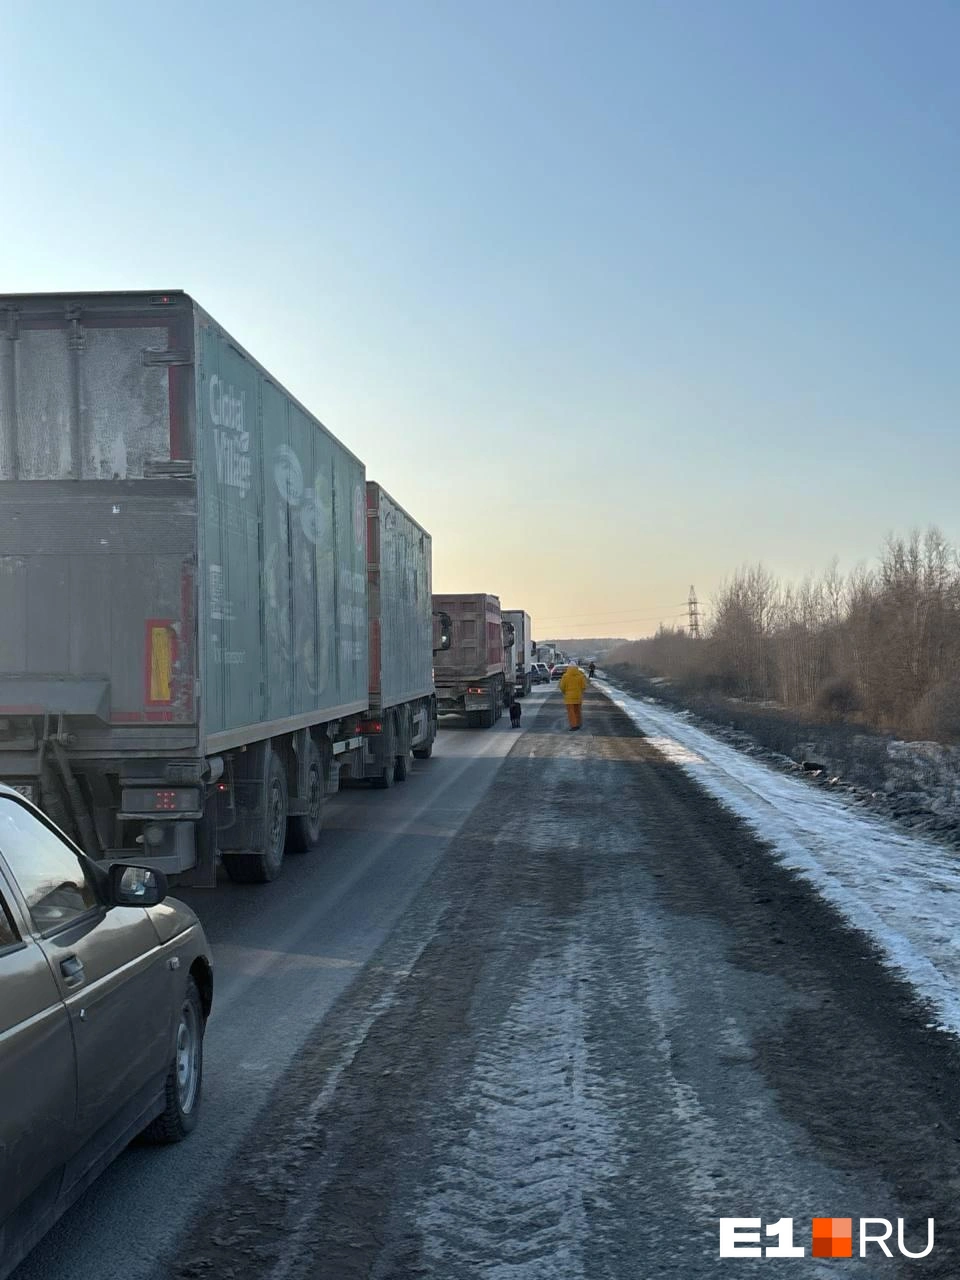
(524, 649)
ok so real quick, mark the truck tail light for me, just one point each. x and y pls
(472, 690)
(161, 800)
(370, 726)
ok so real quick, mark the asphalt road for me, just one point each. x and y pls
(283, 953)
(543, 1016)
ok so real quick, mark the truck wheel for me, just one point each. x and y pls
(423, 752)
(487, 719)
(182, 1088)
(264, 866)
(303, 831)
(386, 778)
(400, 767)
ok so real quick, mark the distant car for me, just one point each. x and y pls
(104, 998)
(558, 670)
(541, 673)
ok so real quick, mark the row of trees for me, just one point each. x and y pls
(881, 645)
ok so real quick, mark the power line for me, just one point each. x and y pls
(679, 618)
(622, 622)
(693, 616)
(572, 617)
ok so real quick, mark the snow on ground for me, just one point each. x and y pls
(901, 890)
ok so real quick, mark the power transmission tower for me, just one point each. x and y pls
(693, 616)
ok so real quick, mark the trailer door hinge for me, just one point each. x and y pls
(169, 469)
(164, 358)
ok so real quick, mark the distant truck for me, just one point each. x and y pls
(471, 677)
(510, 650)
(402, 712)
(185, 659)
(524, 652)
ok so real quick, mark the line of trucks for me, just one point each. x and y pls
(210, 619)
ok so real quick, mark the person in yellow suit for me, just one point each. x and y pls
(572, 684)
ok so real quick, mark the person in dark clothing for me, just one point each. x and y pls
(516, 711)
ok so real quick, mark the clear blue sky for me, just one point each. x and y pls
(613, 297)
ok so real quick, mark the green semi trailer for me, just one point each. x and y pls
(185, 657)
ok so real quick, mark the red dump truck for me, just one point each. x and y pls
(471, 677)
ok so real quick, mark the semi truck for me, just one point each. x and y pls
(524, 653)
(402, 712)
(471, 677)
(185, 658)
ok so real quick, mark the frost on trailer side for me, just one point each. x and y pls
(285, 637)
(399, 566)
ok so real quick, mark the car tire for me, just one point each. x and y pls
(182, 1086)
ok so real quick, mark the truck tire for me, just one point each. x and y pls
(303, 831)
(400, 767)
(185, 1076)
(265, 865)
(425, 750)
(487, 719)
(386, 778)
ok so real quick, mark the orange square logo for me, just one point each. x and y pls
(833, 1238)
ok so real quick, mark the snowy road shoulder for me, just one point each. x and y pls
(902, 891)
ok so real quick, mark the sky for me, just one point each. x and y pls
(613, 297)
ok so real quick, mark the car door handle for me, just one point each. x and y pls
(72, 969)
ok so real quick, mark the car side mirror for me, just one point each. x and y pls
(136, 886)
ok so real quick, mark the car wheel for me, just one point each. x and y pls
(185, 1077)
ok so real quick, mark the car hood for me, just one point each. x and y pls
(170, 917)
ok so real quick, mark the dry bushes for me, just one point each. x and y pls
(880, 647)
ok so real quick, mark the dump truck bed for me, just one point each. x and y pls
(476, 649)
